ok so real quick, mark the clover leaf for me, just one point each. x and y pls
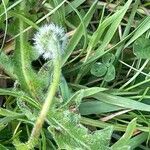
(105, 69)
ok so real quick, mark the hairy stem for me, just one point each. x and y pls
(48, 101)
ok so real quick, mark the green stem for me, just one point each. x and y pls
(48, 101)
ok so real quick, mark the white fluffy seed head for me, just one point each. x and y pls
(50, 40)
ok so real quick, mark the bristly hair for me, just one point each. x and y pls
(48, 39)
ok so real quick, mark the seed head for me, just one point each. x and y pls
(50, 41)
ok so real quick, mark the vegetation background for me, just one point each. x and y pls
(102, 102)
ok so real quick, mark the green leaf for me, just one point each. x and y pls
(142, 28)
(102, 139)
(2, 7)
(121, 101)
(6, 120)
(26, 110)
(123, 141)
(9, 8)
(141, 48)
(6, 63)
(19, 94)
(77, 98)
(110, 75)
(19, 16)
(110, 33)
(96, 107)
(2, 126)
(124, 148)
(59, 16)
(108, 58)
(8, 113)
(18, 145)
(79, 95)
(75, 4)
(79, 33)
(3, 147)
(26, 76)
(138, 140)
(45, 77)
(64, 89)
(70, 134)
(98, 69)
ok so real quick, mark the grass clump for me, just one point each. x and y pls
(74, 75)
